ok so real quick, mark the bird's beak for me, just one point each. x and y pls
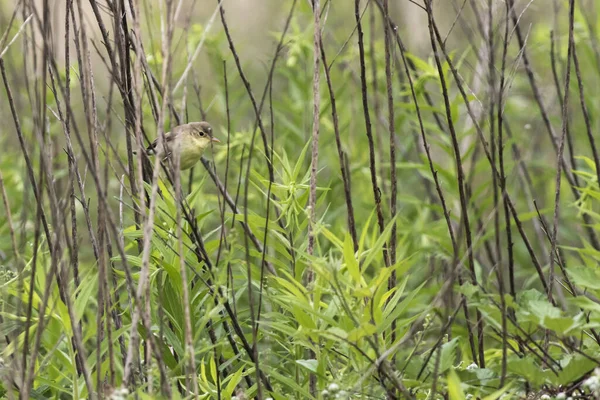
(214, 139)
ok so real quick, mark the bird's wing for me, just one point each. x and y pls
(169, 137)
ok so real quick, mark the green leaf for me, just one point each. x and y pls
(303, 318)
(85, 291)
(331, 236)
(233, 382)
(398, 291)
(365, 231)
(399, 309)
(421, 65)
(289, 383)
(574, 367)
(298, 166)
(362, 331)
(588, 161)
(528, 369)
(498, 393)
(310, 365)
(479, 377)
(351, 262)
(562, 325)
(448, 356)
(543, 309)
(213, 369)
(132, 260)
(585, 304)
(380, 242)
(585, 277)
(454, 390)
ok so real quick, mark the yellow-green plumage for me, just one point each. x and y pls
(190, 140)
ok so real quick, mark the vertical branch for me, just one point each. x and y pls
(561, 149)
(390, 101)
(222, 237)
(135, 98)
(459, 172)
(190, 363)
(488, 31)
(367, 116)
(345, 171)
(141, 309)
(138, 183)
(554, 41)
(591, 26)
(257, 108)
(584, 110)
(453, 273)
(509, 244)
(466, 102)
(248, 90)
(89, 105)
(252, 351)
(13, 238)
(72, 165)
(119, 241)
(54, 241)
(314, 164)
(312, 198)
(375, 88)
(545, 117)
(391, 128)
(267, 220)
(40, 219)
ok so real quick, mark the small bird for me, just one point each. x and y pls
(189, 139)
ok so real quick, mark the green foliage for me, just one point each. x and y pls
(364, 326)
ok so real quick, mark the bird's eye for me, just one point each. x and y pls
(201, 133)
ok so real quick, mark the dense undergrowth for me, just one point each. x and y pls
(432, 248)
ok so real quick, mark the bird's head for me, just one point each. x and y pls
(203, 133)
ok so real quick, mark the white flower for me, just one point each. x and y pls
(119, 393)
(592, 383)
(333, 387)
(472, 366)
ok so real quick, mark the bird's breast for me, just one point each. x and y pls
(190, 153)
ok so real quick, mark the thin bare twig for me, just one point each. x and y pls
(368, 129)
(561, 149)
